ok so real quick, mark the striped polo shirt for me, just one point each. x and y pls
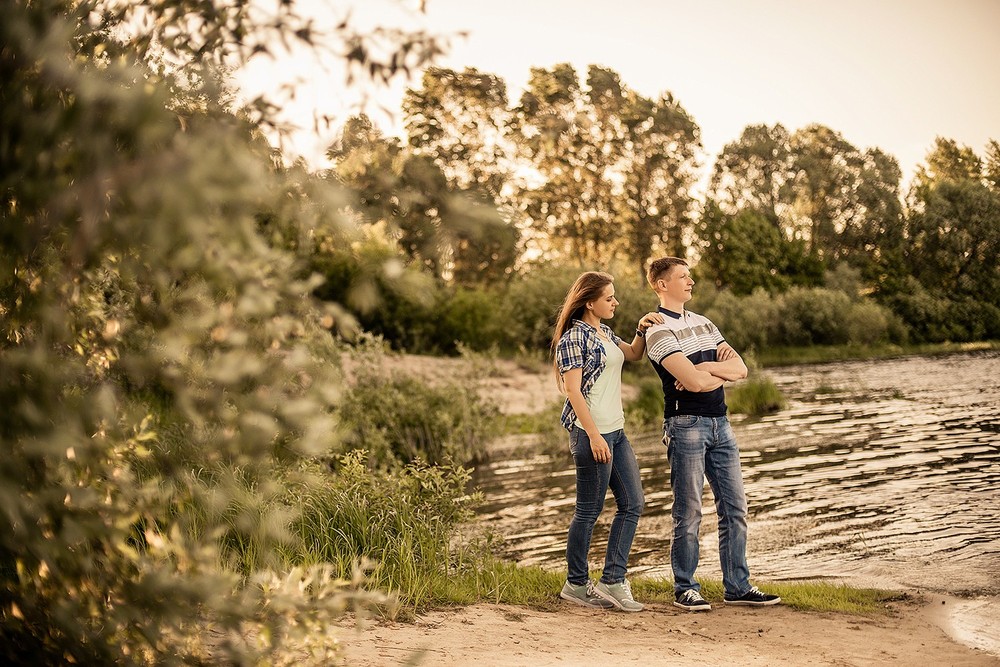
(697, 338)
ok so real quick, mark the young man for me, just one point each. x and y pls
(693, 361)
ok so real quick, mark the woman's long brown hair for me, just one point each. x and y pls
(586, 288)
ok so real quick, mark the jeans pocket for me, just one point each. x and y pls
(684, 421)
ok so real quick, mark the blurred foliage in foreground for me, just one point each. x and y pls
(164, 366)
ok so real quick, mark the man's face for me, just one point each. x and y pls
(677, 283)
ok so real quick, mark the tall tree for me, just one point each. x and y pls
(460, 120)
(872, 240)
(953, 225)
(955, 240)
(948, 161)
(745, 251)
(451, 233)
(658, 164)
(753, 172)
(817, 188)
(992, 168)
(565, 200)
(842, 199)
(826, 170)
(608, 171)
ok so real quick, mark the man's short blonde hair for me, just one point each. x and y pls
(661, 267)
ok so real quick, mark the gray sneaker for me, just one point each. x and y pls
(585, 595)
(620, 595)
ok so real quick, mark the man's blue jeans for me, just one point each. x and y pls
(702, 447)
(592, 482)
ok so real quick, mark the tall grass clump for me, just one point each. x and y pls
(409, 530)
(756, 396)
(401, 523)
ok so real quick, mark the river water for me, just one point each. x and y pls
(879, 473)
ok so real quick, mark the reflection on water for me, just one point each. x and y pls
(879, 473)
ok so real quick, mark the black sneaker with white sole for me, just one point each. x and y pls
(691, 600)
(752, 598)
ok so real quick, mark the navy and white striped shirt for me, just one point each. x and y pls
(697, 338)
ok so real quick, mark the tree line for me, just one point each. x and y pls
(586, 172)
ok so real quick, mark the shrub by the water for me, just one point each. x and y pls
(647, 407)
(397, 417)
(755, 396)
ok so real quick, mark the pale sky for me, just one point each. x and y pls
(888, 73)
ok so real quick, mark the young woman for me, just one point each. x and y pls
(588, 365)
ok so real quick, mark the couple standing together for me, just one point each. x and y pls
(693, 361)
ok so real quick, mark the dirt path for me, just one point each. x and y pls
(505, 636)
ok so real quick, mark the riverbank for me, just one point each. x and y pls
(819, 354)
(914, 632)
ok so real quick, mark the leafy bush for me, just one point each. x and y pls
(532, 301)
(398, 418)
(647, 407)
(161, 359)
(474, 318)
(399, 303)
(748, 323)
(813, 316)
(936, 318)
(868, 323)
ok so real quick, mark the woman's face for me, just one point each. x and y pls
(604, 306)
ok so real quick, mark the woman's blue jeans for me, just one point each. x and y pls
(592, 482)
(701, 447)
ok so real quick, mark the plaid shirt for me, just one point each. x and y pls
(580, 347)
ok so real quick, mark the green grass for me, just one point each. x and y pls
(497, 581)
(756, 396)
(803, 595)
(786, 356)
(406, 525)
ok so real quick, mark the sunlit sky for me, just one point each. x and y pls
(888, 73)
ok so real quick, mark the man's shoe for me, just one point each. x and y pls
(620, 595)
(585, 595)
(691, 600)
(752, 598)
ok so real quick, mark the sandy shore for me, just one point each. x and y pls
(506, 636)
